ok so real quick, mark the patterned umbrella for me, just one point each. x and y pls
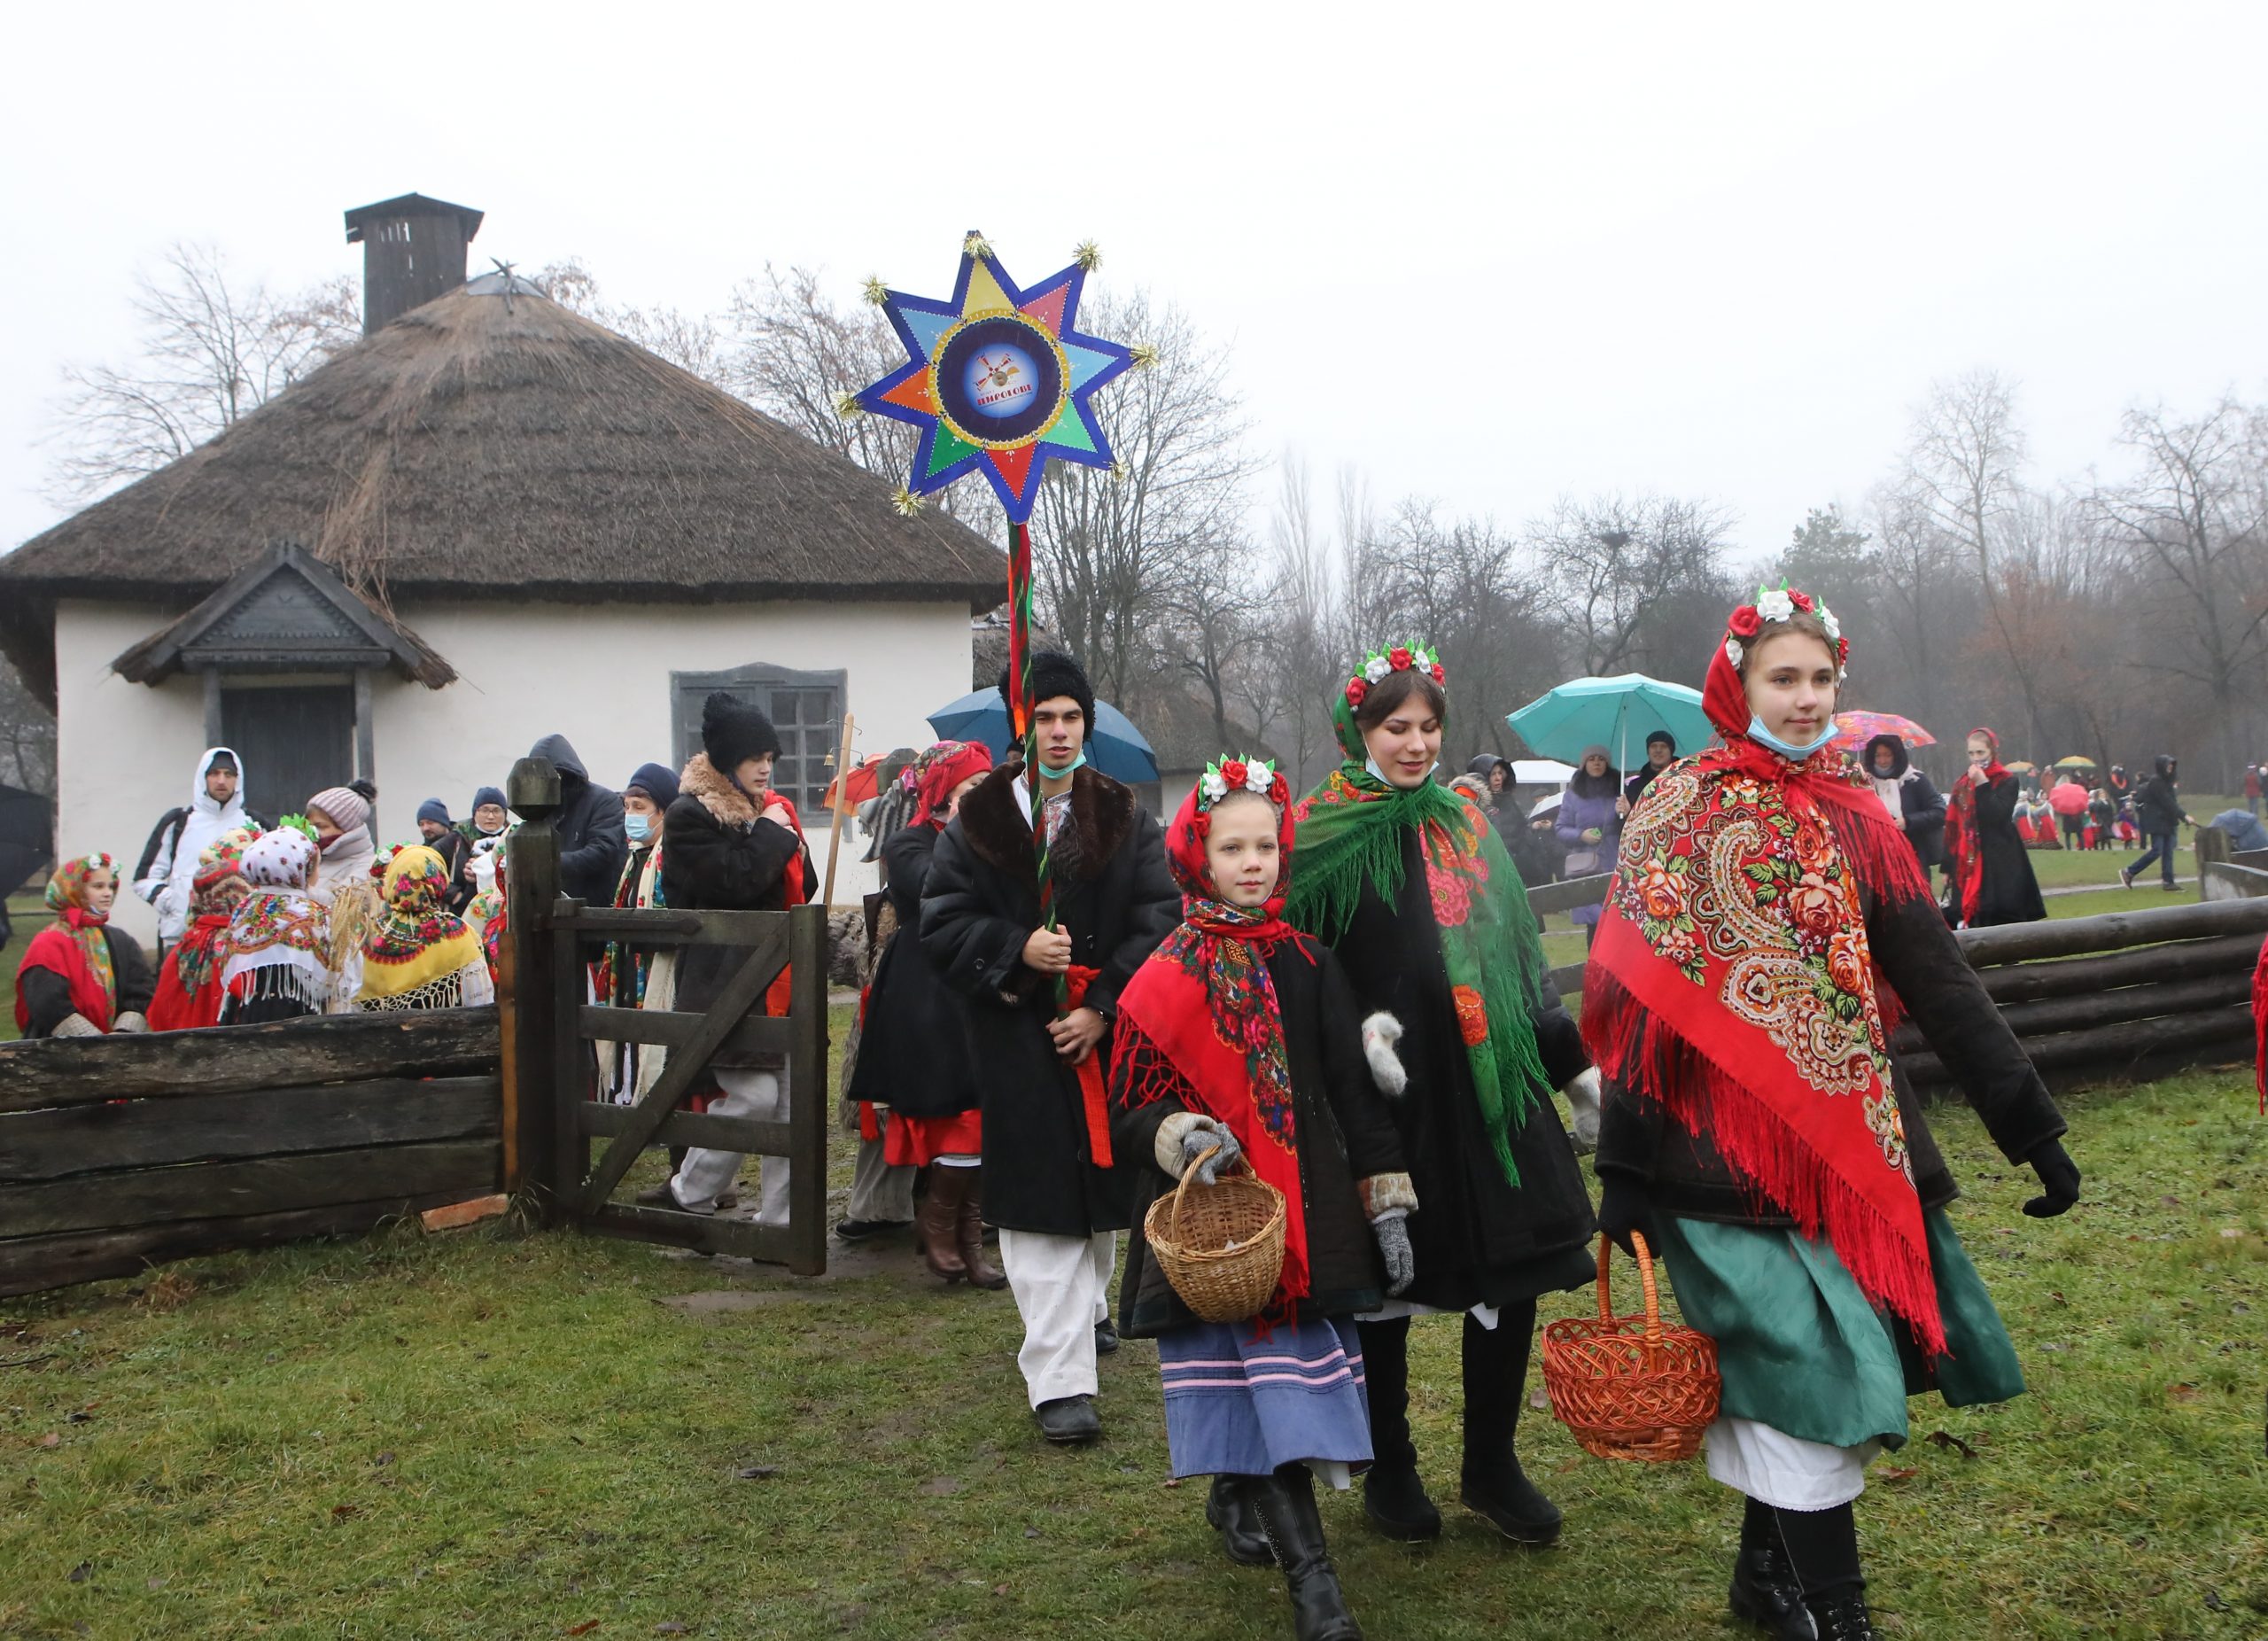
(1853, 730)
(2075, 762)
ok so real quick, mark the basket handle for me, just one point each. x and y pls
(1645, 1281)
(1182, 1190)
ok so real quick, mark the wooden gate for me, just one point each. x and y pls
(550, 1024)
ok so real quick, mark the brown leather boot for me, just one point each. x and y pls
(981, 1271)
(937, 1222)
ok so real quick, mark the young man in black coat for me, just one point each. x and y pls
(730, 843)
(1049, 1186)
(592, 844)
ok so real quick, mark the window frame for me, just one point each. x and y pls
(758, 682)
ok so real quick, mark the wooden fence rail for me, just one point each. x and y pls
(119, 1152)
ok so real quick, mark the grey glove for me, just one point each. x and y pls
(130, 1021)
(1202, 1136)
(1582, 1092)
(75, 1025)
(1393, 1233)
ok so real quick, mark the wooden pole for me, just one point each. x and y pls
(841, 805)
(530, 884)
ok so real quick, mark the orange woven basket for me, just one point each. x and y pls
(1627, 1387)
(1222, 1249)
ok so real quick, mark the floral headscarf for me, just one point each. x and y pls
(75, 947)
(417, 942)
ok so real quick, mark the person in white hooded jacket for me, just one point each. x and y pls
(168, 867)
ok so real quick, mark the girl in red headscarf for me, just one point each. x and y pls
(189, 982)
(913, 1056)
(1240, 1045)
(1988, 875)
(1755, 1131)
(78, 976)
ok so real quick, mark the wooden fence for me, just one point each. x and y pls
(118, 1152)
(551, 1023)
(2124, 996)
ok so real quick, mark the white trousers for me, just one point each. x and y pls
(705, 1175)
(1062, 1289)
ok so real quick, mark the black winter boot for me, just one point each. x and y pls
(1822, 1549)
(1285, 1503)
(1393, 1497)
(1495, 1385)
(1229, 1510)
(1764, 1589)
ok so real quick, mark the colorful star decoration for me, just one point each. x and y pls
(998, 379)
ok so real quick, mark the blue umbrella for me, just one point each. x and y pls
(1114, 747)
(1612, 711)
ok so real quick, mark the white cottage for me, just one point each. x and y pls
(488, 521)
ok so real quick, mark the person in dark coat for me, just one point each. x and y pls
(1661, 752)
(1050, 1184)
(1407, 886)
(1759, 1137)
(592, 843)
(621, 978)
(1590, 824)
(1988, 875)
(78, 976)
(914, 1047)
(1911, 797)
(731, 842)
(1536, 854)
(1240, 1045)
(442, 836)
(2158, 808)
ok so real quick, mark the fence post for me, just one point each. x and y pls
(2212, 848)
(530, 884)
(807, 1085)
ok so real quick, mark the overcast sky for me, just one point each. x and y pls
(1490, 254)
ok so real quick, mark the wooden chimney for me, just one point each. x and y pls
(413, 251)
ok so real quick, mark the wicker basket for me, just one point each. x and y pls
(1627, 1387)
(1222, 1246)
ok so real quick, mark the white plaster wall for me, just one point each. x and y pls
(600, 675)
(126, 753)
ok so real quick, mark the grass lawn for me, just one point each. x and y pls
(487, 1434)
(30, 914)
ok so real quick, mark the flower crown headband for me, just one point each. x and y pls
(1256, 775)
(1780, 603)
(1402, 658)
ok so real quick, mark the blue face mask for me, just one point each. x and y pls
(1052, 773)
(1794, 754)
(638, 827)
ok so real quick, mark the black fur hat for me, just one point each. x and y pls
(1055, 674)
(732, 731)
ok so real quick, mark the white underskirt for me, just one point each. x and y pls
(1786, 1471)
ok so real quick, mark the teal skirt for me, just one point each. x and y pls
(1802, 1350)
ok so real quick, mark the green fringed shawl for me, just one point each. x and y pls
(1349, 837)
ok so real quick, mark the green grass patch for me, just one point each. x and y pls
(489, 1434)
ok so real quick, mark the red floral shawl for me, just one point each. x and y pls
(62, 946)
(1731, 981)
(1964, 856)
(189, 994)
(1200, 1020)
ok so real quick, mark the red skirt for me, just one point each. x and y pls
(917, 1141)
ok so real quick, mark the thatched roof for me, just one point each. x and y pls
(495, 445)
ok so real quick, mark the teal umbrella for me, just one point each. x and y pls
(1618, 711)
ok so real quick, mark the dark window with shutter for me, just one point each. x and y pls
(806, 708)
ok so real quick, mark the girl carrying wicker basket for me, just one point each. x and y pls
(1767, 925)
(1240, 1046)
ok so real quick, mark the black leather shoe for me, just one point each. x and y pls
(1106, 1337)
(1765, 1593)
(1069, 1420)
(1394, 1499)
(864, 1230)
(1511, 1504)
(1228, 1512)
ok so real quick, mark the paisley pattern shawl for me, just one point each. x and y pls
(1731, 981)
(1201, 1022)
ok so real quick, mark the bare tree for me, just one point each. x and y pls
(1632, 575)
(693, 342)
(26, 738)
(209, 348)
(1114, 550)
(2194, 519)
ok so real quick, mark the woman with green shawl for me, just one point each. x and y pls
(1464, 1032)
